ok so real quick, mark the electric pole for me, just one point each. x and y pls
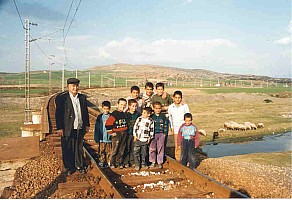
(88, 79)
(50, 74)
(27, 111)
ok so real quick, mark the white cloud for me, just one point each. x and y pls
(290, 27)
(163, 50)
(285, 40)
(3, 36)
(187, 2)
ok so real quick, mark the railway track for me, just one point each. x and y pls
(173, 181)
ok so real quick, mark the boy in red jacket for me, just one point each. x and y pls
(116, 125)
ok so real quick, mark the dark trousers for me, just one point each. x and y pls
(140, 152)
(129, 151)
(118, 148)
(188, 153)
(72, 150)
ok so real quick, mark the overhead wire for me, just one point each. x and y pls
(65, 35)
(49, 34)
(67, 17)
(45, 52)
(18, 14)
(60, 29)
(72, 20)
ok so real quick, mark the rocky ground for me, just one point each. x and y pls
(252, 179)
(39, 177)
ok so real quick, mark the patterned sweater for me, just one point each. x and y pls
(143, 129)
(160, 123)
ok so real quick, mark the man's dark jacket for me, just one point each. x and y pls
(65, 113)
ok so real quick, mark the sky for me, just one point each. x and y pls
(227, 36)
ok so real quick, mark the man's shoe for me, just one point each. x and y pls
(137, 168)
(69, 172)
(82, 171)
(121, 166)
(160, 166)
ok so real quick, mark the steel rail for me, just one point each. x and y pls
(109, 188)
(204, 181)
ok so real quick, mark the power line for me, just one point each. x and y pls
(72, 19)
(44, 52)
(50, 26)
(48, 34)
(18, 14)
(67, 17)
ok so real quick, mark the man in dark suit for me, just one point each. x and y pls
(72, 121)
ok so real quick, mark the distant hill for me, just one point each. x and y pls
(163, 72)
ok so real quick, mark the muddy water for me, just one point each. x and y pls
(273, 143)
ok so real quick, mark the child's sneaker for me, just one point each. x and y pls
(160, 166)
(145, 166)
(152, 165)
(100, 164)
(137, 168)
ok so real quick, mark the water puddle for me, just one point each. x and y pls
(272, 143)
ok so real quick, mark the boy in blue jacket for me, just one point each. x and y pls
(101, 137)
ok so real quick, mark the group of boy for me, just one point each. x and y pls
(141, 122)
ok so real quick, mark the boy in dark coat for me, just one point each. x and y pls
(132, 116)
(101, 137)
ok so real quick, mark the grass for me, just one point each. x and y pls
(264, 90)
(11, 118)
(280, 159)
(211, 113)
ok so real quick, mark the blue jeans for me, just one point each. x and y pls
(188, 153)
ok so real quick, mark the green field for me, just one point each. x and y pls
(39, 81)
(266, 90)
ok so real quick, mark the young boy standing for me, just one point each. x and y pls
(157, 145)
(135, 94)
(131, 116)
(147, 95)
(176, 113)
(143, 133)
(188, 138)
(159, 97)
(101, 137)
(116, 125)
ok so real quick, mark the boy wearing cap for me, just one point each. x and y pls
(72, 122)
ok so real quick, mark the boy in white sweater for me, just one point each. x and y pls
(143, 132)
(176, 112)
